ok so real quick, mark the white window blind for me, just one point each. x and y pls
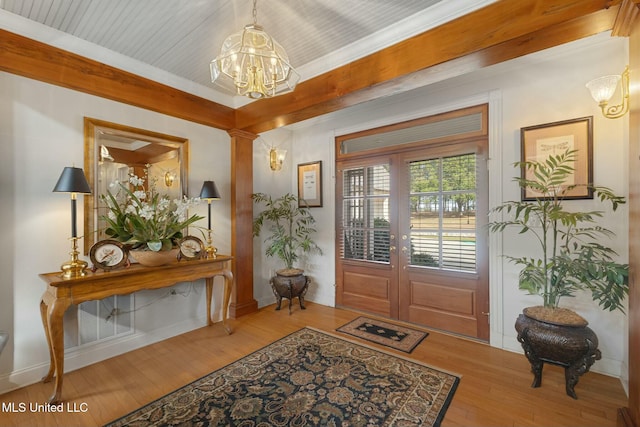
(365, 214)
(442, 206)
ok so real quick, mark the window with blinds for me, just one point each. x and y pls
(365, 213)
(442, 207)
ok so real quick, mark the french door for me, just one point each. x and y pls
(412, 237)
(443, 261)
(367, 216)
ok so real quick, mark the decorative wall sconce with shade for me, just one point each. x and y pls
(251, 63)
(72, 180)
(105, 155)
(603, 88)
(276, 158)
(209, 192)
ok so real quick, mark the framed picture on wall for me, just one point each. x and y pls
(310, 184)
(540, 142)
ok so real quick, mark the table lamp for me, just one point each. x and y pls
(209, 192)
(73, 181)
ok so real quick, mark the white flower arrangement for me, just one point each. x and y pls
(144, 218)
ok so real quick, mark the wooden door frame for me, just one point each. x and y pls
(630, 415)
(488, 131)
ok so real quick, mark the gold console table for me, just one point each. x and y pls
(61, 293)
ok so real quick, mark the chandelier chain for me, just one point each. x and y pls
(255, 12)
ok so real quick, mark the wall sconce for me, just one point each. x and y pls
(603, 88)
(104, 154)
(169, 178)
(72, 180)
(209, 192)
(276, 158)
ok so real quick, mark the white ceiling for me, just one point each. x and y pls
(173, 41)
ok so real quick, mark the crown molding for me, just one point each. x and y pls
(626, 18)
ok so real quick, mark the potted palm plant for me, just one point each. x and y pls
(572, 258)
(291, 227)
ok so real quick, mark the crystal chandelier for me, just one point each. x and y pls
(251, 63)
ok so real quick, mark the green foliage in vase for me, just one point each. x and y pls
(291, 227)
(143, 218)
(572, 254)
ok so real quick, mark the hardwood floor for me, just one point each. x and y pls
(494, 390)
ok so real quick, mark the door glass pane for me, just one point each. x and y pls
(365, 213)
(442, 209)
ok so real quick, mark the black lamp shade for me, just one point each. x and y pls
(209, 191)
(72, 180)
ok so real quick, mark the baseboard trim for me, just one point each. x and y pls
(238, 310)
(96, 352)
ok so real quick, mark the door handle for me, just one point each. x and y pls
(405, 249)
(392, 248)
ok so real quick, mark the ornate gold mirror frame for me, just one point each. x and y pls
(113, 152)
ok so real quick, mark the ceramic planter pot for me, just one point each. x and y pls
(574, 347)
(289, 283)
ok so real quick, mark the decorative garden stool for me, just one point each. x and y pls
(289, 283)
(574, 347)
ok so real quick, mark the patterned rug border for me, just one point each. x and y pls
(351, 329)
(441, 413)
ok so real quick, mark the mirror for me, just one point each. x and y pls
(113, 152)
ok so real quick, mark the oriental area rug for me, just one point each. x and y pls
(389, 334)
(309, 378)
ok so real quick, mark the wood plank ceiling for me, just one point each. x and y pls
(182, 36)
(498, 32)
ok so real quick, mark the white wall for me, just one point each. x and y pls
(41, 132)
(541, 88)
(320, 268)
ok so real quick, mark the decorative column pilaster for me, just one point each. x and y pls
(242, 301)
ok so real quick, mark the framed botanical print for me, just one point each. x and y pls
(540, 142)
(310, 184)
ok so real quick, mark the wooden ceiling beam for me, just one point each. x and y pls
(40, 61)
(501, 31)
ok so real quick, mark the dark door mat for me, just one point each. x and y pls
(390, 334)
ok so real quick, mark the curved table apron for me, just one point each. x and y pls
(61, 293)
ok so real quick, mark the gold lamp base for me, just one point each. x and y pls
(74, 267)
(210, 250)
